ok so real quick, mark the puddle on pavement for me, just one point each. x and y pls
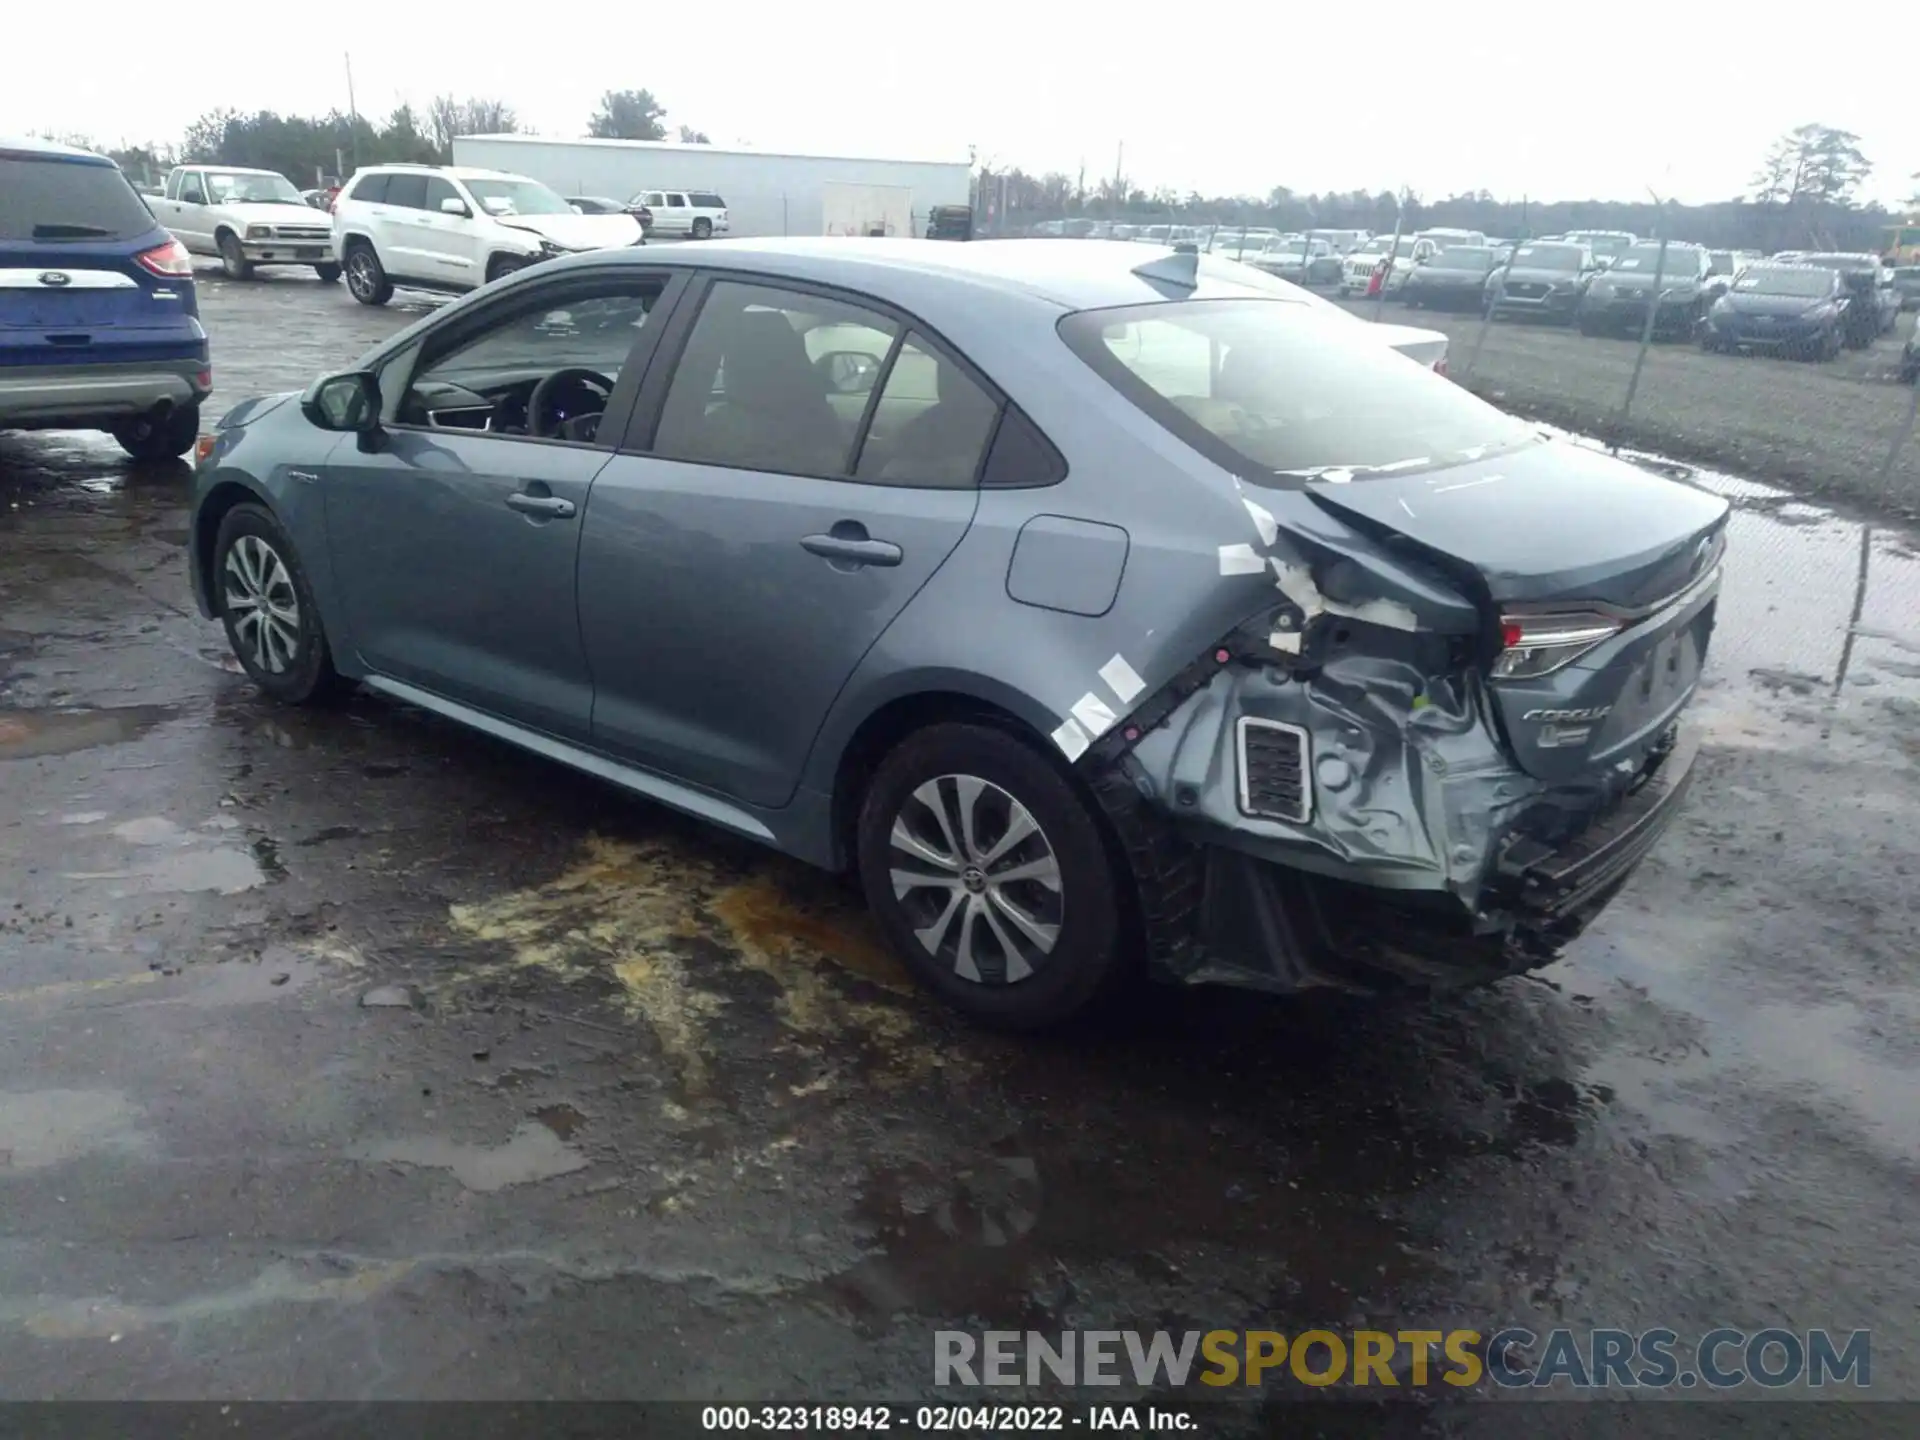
(35, 734)
(41, 1128)
(563, 1120)
(534, 1152)
(184, 860)
(651, 917)
(1819, 622)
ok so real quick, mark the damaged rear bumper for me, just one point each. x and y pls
(1270, 926)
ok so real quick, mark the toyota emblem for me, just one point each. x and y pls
(56, 278)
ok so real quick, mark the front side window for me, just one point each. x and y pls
(193, 190)
(487, 381)
(439, 190)
(1278, 391)
(774, 380)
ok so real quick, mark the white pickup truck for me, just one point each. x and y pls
(247, 218)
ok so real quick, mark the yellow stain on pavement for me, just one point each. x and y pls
(628, 910)
(107, 1319)
(66, 989)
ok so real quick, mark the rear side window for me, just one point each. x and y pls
(370, 188)
(707, 200)
(1272, 389)
(409, 191)
(931, 424)
(67, 200)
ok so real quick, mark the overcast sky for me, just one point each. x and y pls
(1227, 98)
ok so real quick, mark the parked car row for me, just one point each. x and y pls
(1800, 303)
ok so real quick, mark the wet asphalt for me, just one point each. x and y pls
(349, 1055)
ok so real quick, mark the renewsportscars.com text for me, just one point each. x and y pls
(1512, 1357)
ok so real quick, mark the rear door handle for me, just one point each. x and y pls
(857, 551)
(547, 507)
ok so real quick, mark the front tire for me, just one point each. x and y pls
(169, 439)
(233, 259)
(991, 877)
(328, 273)
(268, 609)
(367, 279)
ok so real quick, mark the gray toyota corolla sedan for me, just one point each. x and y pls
(1106, 607)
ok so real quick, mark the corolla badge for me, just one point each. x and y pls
(55, 278)
(1598, 712)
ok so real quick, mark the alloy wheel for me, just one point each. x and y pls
(360, 273)
(262, 605)
(978, 879)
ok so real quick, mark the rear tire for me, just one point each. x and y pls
(261, 593)
(367, 279)
(328, 273)
(703, 229)
(1020, 936)
(233, 259)
(169, 440)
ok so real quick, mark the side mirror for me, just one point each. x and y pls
(452, 205)
(348, 403)
(849, 372)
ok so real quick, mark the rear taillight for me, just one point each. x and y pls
(169, 261)
(1535, 645)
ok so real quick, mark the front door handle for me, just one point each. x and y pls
(546, 507)
(855, 549)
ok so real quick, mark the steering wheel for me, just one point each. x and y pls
(539, 423)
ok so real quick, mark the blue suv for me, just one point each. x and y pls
(99, 322)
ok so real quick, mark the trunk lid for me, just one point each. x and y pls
(1549, 522)
(1557, 528)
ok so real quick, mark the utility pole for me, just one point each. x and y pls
(1119, 163)
(353, 112)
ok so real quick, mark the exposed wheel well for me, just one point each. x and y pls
(355, 241)
(213, 510)
(508, 257)
(221, 232)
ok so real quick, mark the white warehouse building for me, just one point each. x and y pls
(766, 192)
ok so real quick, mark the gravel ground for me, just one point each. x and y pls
(346, 1054)
(1819, 429)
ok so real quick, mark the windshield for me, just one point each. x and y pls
(1547, 257)
(517, 197)
(1808, 284)
(66, 200)
(1605, 245)
(1275, 388)
(1840, 262)
(1720, 262)
(1646, 259)
(229, 189)
(1464, 257)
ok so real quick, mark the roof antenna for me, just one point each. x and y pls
(1180, 268)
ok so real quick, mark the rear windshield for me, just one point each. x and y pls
(1807, 283)
(1273, 389)
(55, 200)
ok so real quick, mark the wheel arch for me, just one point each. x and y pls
(946, 698)
(212, 510)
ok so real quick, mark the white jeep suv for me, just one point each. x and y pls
(691, 214)
(438, 227)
